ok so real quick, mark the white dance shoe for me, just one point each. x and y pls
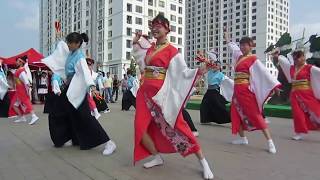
(109, 148)
(34, 119)
(156, 161)
(240, 141)
(271, 147)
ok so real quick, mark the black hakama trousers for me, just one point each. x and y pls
(48, 104)
(128, 100)
(187, 118)
(4, 106)
(68, 123)
(213, 108)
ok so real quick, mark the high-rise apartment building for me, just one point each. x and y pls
(263, 20)
(110, 25)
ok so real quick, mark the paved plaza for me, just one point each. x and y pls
(27, 153)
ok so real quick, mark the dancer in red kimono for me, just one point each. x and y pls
(305, 92)
(21, 100)
(159, 124)
(252, 86)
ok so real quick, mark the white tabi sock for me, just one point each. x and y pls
(207, 173)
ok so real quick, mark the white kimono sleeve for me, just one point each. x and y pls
(226, 88)
(80, 83)
(94, 75)
(285, 65)
(139, 51)
(315, 81)
(262, 83)
(28, 72)
(236, 53)
(57, 60)
(175, 89)
(24, 78)
(3, 87)
(55, 87)
(135, 87)
(100, 84)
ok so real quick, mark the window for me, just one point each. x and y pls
(179, 30)
(99, 57)
(110, 34)
(128, 55)
(110, 11)
(129, 32)
(110, 22)
(113, 69)
(173, 28)
(150, 12)
(138, 9)
(179, 20)
(109, 45)
(150, 2)
(100, 36)
(173, 7)
(173, 18)
(129, 19)
(180, 10)
(161, 3)
(129, 7)
(109, 56)
(172, 39)
(139, 21)
(128, 43)
(180, 41)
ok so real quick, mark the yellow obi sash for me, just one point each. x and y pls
(302, 84)
(17, 80)
(155, 73)
(241, 78)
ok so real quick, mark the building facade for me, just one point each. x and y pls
(263, 20)
(110, 25)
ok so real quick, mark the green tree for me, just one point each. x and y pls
(133, 66)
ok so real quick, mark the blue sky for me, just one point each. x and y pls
(19, 26)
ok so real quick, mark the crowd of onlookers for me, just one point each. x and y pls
(109, 86)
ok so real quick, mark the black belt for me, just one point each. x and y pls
(213, 87)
